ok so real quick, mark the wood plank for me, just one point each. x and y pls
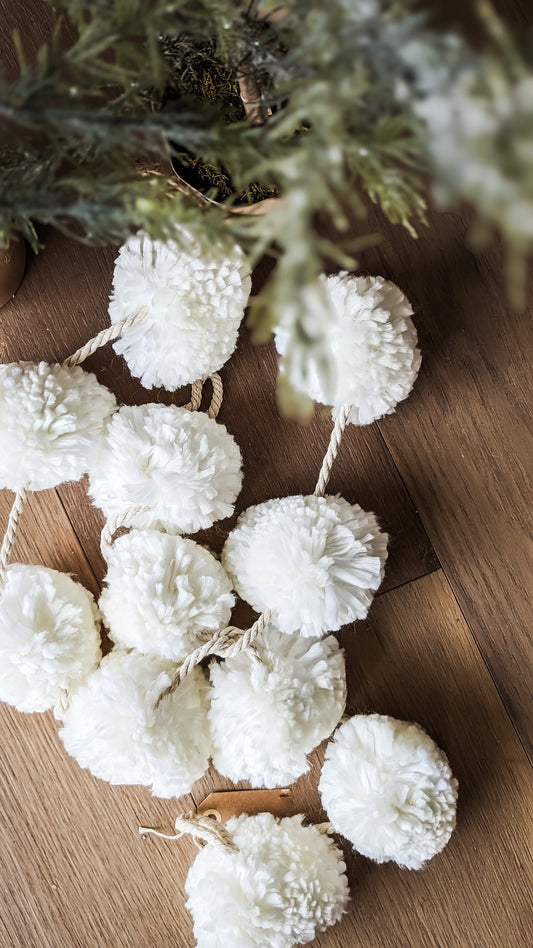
(463, 441)
(415, 660)
(73, 867)
(45, 537)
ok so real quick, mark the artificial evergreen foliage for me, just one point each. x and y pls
(361, 99)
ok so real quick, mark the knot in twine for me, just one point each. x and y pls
(226, 643)
(201, 828)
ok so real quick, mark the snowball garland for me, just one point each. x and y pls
(162, 592)
(49, 637)
(389, 789)
(316, 561)
(51, 418)
(194, 305)
(286, 884)
(181, 464)
(113, 728)
(267, 715)
(372, 345)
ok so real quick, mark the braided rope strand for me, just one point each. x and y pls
(19, 503)
(102, 338)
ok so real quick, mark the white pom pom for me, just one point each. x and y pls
(372, 345)
(286, 884)
(181, 464)
(388, 788)
(113, 728)
(51, 418)
(49, 637)
(164, 594)
(194, 306)
(267, 715)
(316, 561)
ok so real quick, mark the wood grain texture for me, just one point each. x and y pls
(463, 441)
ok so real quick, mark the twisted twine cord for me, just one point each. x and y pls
(102, 338)
(218, 395)
(196, 396)
(129, 517)
(19, 503)
(325, 829)
(333, 449)
(61, 705)
(231, 640)
(202, 828)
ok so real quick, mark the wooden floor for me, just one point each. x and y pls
(447, 642)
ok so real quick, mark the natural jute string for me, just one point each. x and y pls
(102, 338)
(231, 640)
(333, 449)
(9, 538)
(201, 828)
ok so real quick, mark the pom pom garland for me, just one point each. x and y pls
(193, 305)
(49, 637)
(115, 728)
(388, 788)
(315, 561)
(182, 465)
(51, 419)
(266, 715)
(371, 343)
(163, 594)
(285, 883)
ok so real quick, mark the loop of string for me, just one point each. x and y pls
(102, 338)
(201, 828)
(19, 503)
(231, 640)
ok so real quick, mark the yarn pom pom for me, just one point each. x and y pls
(388, 788)
(316, 561)
(267, 715)
(194, 305)
(51, 418)
(286, 883)
(164, 594)
(371, 345)
(49, 637)
(181, 464)
(113, 728)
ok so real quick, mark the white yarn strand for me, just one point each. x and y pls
(333, 449)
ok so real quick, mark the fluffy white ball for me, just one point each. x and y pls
(164, 594)
(194, 302)
(388, 788)
(286, 884)
(371, 343)
(113, 728)
(181, 464)
(316, 561)
(49, 637)
(267, 715)
(51, 418)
